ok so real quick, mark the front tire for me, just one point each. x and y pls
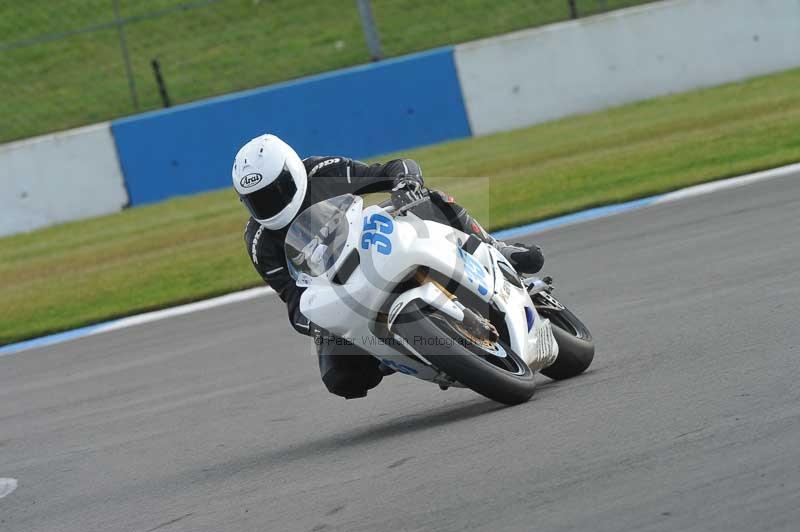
(507, 380)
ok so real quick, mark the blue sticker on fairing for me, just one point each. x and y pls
(471, 264)
(530, 317)
(385, 226)
(474, 269)
(401, 368)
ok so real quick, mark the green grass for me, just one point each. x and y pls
(226, 46)
(190, 248)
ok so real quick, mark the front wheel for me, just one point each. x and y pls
(575, 345)
(492, 370)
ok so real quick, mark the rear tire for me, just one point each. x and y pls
(575, 345)
(463, 360)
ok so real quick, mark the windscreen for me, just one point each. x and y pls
(317, 237)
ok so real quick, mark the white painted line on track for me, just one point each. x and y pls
(733, 182)
(7, 486)
(182, 310)
(139, 319)
(525, 230)
(611, 210)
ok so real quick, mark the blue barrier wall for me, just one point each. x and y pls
(357, 112)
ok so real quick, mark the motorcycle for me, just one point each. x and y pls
(430, 301)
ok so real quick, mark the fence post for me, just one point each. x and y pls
(370, 31)
(162, 87)
(125, 57)
(573, 9)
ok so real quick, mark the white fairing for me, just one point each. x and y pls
(390, 248)
(431, 295)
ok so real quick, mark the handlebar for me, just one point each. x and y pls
(390, 208)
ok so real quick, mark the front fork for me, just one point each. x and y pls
(540, 290)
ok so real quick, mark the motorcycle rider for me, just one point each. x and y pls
(275, 185)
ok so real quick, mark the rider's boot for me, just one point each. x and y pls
(524, 258)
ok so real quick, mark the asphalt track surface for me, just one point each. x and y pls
(689, 418)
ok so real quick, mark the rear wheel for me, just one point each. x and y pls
(575, 345)
(491, 369)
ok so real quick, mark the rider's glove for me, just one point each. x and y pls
(407, 189)
(413, 180)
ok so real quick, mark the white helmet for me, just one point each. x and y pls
(271, 181)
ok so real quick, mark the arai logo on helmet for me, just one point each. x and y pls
(250, 180)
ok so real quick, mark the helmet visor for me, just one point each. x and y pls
(273, 198)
